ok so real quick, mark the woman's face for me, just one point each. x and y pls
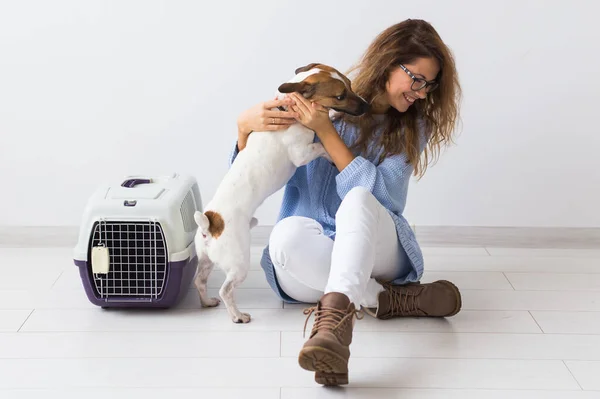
(399, 93)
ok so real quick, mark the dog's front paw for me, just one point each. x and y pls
(244, 319)
(211, 303)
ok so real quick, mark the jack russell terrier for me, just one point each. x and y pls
(263, 167)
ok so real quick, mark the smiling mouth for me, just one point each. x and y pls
(409, 99)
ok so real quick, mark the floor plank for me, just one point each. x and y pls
(531, 300)
(267, 372)
(134, 345)
(586, 373)
(568, 322)
(555, 281)
(387, 393)
(462, 345)
(142, 393)
(98, 320)
(11, 320)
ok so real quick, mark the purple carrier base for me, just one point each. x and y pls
(178, 282)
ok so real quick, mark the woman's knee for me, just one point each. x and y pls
(289, 232)
(356, 200)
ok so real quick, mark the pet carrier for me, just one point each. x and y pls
(136, 242)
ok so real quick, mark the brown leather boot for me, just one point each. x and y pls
(438, 299)
(328, 349)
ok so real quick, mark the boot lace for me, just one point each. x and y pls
(403, 302)
(330, 318)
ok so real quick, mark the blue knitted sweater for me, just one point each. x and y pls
(316, 191)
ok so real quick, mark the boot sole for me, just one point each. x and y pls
(456, 291)
(330, 368)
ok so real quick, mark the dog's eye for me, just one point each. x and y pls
(340, 98)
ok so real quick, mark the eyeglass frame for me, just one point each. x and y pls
(432, 83)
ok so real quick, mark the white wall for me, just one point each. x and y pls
(85, 84)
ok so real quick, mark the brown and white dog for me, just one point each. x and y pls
(264, 166)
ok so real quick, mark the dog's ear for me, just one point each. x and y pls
(306, 67)
(304, 88)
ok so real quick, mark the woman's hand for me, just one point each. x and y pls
(260, 117)
(312, 115)
(316, 118)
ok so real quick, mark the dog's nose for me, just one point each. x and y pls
(364, 107)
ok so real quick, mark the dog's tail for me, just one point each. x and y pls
(212, 223)
(202, 221)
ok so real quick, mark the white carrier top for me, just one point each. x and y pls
(168, 200)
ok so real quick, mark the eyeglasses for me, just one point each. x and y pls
(420, 83)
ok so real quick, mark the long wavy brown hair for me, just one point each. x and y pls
(403, 43)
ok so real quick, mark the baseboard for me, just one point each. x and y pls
(456, 236)
(509, 237)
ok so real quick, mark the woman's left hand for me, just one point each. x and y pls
(311, 114)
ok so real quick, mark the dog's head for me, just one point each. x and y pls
(326, 86)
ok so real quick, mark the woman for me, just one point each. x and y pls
(341, 240)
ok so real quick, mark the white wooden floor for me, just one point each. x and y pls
(530, 328)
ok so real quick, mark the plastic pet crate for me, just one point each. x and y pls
(136, 242)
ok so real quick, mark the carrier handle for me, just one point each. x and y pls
(130, 183)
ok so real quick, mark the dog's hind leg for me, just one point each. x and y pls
(205, 266)
(233, 279)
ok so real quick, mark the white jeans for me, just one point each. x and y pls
(309, 264)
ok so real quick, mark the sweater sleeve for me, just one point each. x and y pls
(388, 182)
(233, 153)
